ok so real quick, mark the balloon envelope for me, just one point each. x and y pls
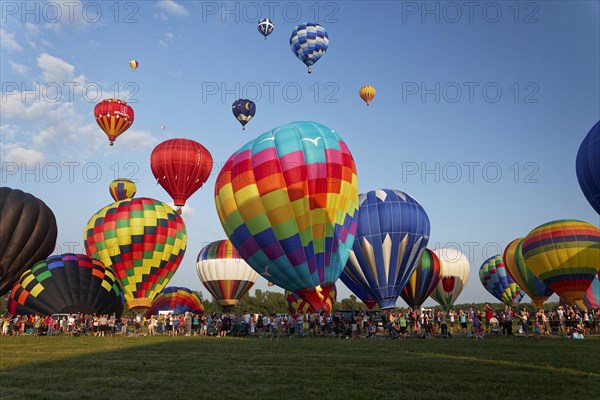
(587, 166)
(27, 234)
(496, 280)
(114, 116)
(565, 256)
(134, 64)
(297, 304)
(592, 297)
(179, 300)
(423, 280)
(122, 188)
(143, 240)
(265, 27)
(393, 229)
(522, 275)
(367, 93)
(224, 273)
(455, 274)
(243, 110)
(67, 284)
(181, 166)
(309, 42)
(288, 202)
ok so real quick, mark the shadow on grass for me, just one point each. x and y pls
(230, 368)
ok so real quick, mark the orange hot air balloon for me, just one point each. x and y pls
(367, 93)
(114, 116)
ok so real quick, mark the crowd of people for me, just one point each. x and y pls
(424, 323)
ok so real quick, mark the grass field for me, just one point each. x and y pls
(326, 368)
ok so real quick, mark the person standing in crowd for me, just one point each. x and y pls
(188, 324)
(300, 325)
(151, 324)
(508, 318)
(102, 324)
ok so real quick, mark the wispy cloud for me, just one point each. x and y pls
(166, 40)
(19, 69)
(56, 69)
(170, 7)
(8, 41)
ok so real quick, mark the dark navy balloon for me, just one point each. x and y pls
(393, 231)
(588, 167)
(243, 110)
(265, 27)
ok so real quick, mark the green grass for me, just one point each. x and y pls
(323, 368)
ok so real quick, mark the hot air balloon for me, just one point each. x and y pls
(224, 273)
(587, 166)
(367, 93)
(288, 202)
(522, 275)
(27, 234)
(265, 27)
(67, 284)
(455, 274)
(114, 116)
(179, 300)
(496, 280)
(133, 64)
(393, 230)
(298, 305)
(181, 166)
(243, 110)
(423, 280)
(565, 256)
(122, 188)
(309, 42)
(143, 240)
(592, 297)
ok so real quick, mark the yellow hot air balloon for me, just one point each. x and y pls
(367, 93)
(122, 188)
(565, 256)
(133, 64)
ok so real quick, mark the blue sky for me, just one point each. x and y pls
(498, 89)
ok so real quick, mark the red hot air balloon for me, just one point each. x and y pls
(114, 116)
(181, 166)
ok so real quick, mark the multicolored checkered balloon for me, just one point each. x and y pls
(179, 300)
(298, 305)
(143, 240)
(288, 202)
(495, 279)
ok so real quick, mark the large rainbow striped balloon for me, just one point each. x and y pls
(297, 305)
(224, 273)
(520, 272)
(143, 240)
(423, 280)
(179, 300)
(565, 256)
(288, 202)
(496, 280)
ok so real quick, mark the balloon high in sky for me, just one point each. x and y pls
(588, 166)
(287, 200)
(309, 42)
(265, 27)
(114, 116)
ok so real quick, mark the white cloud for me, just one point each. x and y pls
(172, 8)
(32, 29)
(56, 69)
(15, 153)
(138, 139)
(8, 131)
(166, 40)
(19, 69)
(7, 41)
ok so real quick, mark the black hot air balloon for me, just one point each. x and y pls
(67, 284)
(27, 234)
(243, 110)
